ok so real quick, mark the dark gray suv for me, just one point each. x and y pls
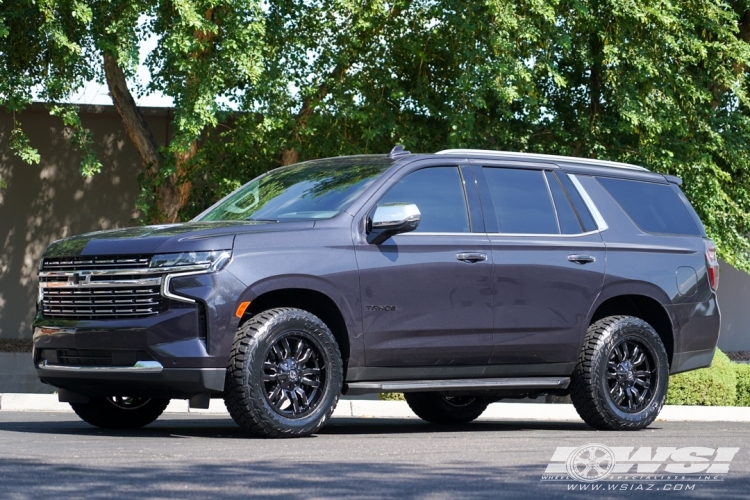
(458, 278)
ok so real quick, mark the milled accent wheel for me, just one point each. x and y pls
(284, 375)
(437, 408)
(120, 412)
(621, 379)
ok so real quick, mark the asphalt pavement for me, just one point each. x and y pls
(55, 455)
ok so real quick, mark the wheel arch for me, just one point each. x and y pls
(640, 305)
(310, 294)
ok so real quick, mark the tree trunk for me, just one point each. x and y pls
(289, 156)
(175, 191)
(135, 126)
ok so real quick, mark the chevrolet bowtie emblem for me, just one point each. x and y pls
(77, 278)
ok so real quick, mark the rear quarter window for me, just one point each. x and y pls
(655, 208)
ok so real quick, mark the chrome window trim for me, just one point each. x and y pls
(600, 222)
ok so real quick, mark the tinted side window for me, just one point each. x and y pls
(569, 223)
(655, 208)
(439, 195)
(522, 201)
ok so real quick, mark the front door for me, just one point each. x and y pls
(549, 264)
(427, 295)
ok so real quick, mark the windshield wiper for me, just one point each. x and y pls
(261, 220)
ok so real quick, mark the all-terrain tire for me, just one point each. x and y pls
(600, 381)
(438, 409)
(249, 387)
(120, 413)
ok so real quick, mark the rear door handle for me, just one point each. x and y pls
(581, 259)
(471, 256)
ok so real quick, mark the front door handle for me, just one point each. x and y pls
(471, 256)
(581, 259)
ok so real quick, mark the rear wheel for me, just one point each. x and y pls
(439, 409)
(120, 412)
(621, 379)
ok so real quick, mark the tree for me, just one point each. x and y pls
(657, 83)
(207, 49)
(652, 82)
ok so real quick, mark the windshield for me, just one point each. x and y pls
(318, 189)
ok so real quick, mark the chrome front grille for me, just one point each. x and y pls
(100, 287)
(101, 301)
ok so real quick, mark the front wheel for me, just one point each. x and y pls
(285, 374)
(621, 379)
(120, 412)
(439, 409)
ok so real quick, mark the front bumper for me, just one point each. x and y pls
(189, 342)
(157, 356)
(150, 379)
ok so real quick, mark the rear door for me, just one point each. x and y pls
(427, 295)
(549, 261)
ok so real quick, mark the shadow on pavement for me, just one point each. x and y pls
(226, 428)
(239, 478)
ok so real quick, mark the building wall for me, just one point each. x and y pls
(51, 200)
(734, 303)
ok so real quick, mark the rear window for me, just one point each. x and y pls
(655, 208)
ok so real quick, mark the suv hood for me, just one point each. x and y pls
(186, 237)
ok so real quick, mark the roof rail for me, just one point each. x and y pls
(536, 156)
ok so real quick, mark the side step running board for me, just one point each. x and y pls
(527, 383)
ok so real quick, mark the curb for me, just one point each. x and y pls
(348, 408)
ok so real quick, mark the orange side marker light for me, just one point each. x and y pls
(241, 309)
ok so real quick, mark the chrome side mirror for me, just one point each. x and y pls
(392, 218)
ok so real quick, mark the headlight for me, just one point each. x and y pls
(213, 261)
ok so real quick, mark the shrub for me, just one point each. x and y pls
(712, 386)
(392, 396)
(742, 372)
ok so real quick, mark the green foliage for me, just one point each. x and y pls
(712, 386)
(391, 396)
(80, 139)
(19, 143)
(742, 372)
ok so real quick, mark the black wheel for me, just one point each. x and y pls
(621, 379)
(439, 409)
(120, 412)
(285, 374)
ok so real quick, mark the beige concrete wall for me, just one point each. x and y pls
(52, 200)
(734, 303)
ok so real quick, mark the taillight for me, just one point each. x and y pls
(712, 264)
